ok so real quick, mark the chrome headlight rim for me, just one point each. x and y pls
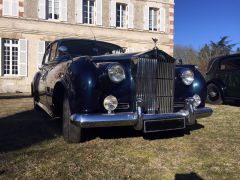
(116, 73)
(187, 77)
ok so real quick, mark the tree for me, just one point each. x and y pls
(238, 50)
(205, 53)
(187, 54)
(221, 48)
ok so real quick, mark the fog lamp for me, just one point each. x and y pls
(197, 100)
(110, 103)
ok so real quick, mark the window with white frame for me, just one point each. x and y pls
(153, 19)
(121, 15)
(53, 9)
(10, 57)
(89, 11)
(10, 7)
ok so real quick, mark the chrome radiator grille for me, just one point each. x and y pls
(155, 84)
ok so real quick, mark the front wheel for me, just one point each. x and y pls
(214, 94)
(71, 132)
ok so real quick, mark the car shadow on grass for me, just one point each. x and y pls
(190, 176)
(25, 129)
(129, 132)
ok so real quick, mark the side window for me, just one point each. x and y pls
(46, 56)
(53, 52)
(230, 64)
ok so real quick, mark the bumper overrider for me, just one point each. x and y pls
(145, 122)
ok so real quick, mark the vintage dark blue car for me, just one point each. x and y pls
(92, 84)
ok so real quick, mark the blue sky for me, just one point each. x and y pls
(199, 21)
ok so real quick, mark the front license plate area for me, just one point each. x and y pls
(163, 125)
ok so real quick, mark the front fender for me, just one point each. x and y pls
(183, 91)
(82, 82)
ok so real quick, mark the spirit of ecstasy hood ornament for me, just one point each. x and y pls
(155, 40)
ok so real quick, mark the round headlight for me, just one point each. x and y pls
(116, 73)
(197, 100)
(187, 77)
(110, 103)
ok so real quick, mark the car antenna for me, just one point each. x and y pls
(93, 34)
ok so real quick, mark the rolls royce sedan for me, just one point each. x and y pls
(89, 83)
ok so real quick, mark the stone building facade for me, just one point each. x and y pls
(27, 26)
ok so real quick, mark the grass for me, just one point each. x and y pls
(32, 147)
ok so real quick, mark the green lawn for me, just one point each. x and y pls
(32, 147)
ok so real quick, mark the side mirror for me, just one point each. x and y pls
(63, 50)
(40, 67)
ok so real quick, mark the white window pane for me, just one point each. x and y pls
(10, 57)
(56, 9)
(120, 15)
(88, 11)
(153, 19)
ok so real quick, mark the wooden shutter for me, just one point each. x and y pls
(1, 57)
(113, 13)
(7, 7)
(162, 19)
(79, 11)
(41, 51)
(15, 7)
(63, 10)
(23, 57)
(42, 9)
(146, 18)
(99, 12)
(130, 16)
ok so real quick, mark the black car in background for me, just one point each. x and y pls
(223, 79)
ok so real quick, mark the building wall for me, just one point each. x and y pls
(28, 26)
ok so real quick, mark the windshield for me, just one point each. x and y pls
(90, 48)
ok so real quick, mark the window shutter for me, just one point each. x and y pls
(1, 57)
(130, 16)
(42, 9)
(162, 19)
(113, 13)
(23, 57)
(79, 11)
(63, 10)
(41, 51)
(15, 7)
(7, 8)
(99, 12)
(146, 18)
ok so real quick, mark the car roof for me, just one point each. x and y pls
(225, 56)
(77, 39)
(211, 62)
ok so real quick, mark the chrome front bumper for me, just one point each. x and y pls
(137, 119)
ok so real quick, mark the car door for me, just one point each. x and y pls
(230, 73)
(43, 73)
(49, 80)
